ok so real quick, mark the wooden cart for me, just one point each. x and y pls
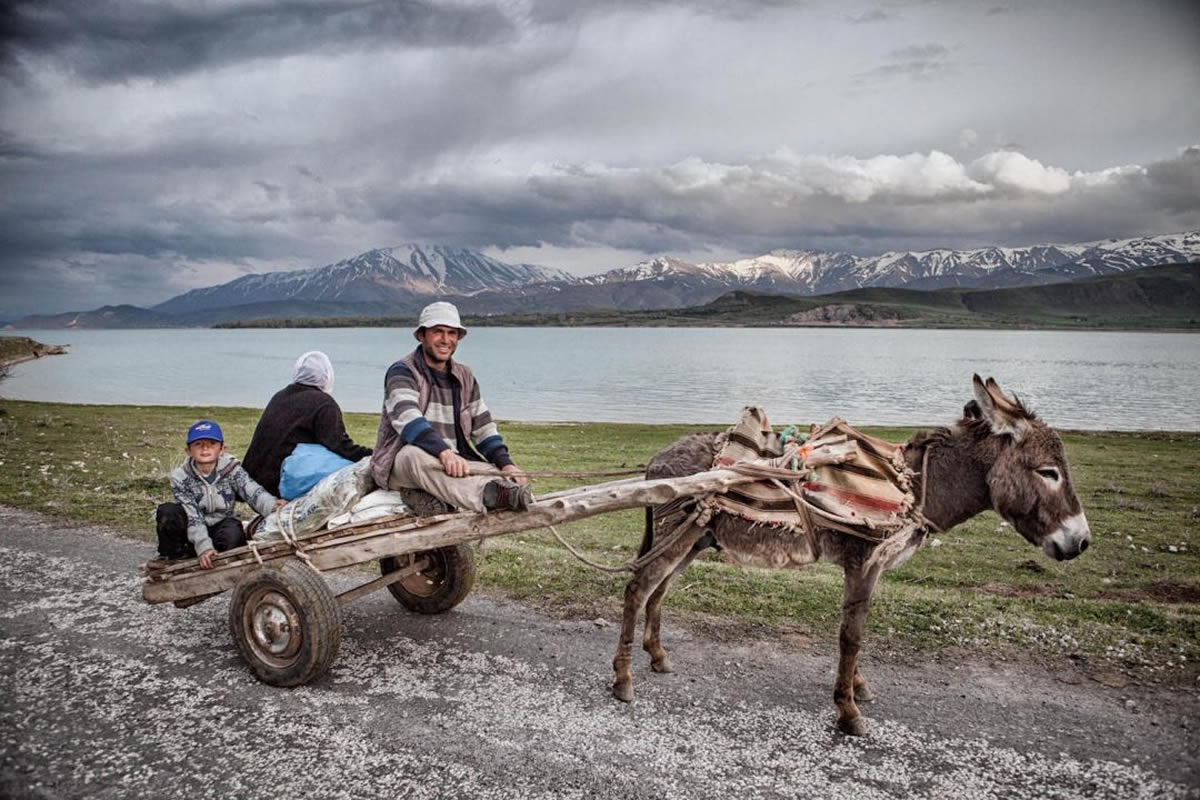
(286, 621)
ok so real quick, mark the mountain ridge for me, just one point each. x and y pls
(1159, 297)
(812, 272)
(401, 279)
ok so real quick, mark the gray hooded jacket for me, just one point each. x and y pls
(208, 503)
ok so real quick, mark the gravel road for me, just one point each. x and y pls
(102, 696)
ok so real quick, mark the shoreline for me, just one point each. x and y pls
(19, 349)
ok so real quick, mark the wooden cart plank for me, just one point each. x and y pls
(278, 548)
(434, 532)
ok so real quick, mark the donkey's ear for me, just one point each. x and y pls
(971, 410)
(1004, 415)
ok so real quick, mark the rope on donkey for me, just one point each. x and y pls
(700, 516)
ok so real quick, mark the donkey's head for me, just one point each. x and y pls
(1029, 481)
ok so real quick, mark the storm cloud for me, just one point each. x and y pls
(147, 148)
(105, 41)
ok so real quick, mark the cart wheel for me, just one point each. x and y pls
(445, 583)
(286, 624)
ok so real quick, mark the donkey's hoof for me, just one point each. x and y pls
(856, 726)
(662, 665)
(623, 691)
(863, 694)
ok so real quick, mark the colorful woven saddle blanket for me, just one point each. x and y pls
(833, 476)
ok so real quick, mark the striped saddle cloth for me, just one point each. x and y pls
(837, 477)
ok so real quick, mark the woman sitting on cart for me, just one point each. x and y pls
(303, 412)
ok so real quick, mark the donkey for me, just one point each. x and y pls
(998, 456)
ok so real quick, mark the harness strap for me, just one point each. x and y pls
(810, 532)
(918, 513)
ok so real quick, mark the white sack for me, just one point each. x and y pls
(336, 493)
(376, 505)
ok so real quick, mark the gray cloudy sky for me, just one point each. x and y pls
(147, 148)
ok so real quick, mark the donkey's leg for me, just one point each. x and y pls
(856, 601)
(862, 692)
(651, 635)
(639, 588)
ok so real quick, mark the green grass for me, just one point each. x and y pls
(1131, 602)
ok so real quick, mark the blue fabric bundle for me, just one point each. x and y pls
(305, 467)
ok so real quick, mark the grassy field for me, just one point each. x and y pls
(1129, 607)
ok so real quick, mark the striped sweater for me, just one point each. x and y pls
(435, 411)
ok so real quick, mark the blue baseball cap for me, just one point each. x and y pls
(205, 429)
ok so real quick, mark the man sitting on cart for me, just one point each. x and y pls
(434, 424)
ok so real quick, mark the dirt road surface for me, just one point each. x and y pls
(102, 696)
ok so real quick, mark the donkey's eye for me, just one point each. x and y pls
(1049, 473)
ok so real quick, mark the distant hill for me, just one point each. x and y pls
(1170, 293)
(124, 316)
(1152, 297)
(135, 317)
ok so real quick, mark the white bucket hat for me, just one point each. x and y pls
(440, 313)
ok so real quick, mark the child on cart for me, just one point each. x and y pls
(201, 522)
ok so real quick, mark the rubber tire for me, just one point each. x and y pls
(450, 578)
(315, 611)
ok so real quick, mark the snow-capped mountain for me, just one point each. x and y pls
(788, 271)
(405, 276)
(810, 272)
(1119, 255)
(402, 279)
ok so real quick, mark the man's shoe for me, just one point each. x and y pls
(505, 495)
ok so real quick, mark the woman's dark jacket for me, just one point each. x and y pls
(297, 413)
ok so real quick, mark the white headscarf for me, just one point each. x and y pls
(314, 369)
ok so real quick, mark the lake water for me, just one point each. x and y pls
(1073, 379)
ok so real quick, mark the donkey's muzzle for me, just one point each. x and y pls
(1070, 540)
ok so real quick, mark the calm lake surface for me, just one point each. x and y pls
(1075, 379)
